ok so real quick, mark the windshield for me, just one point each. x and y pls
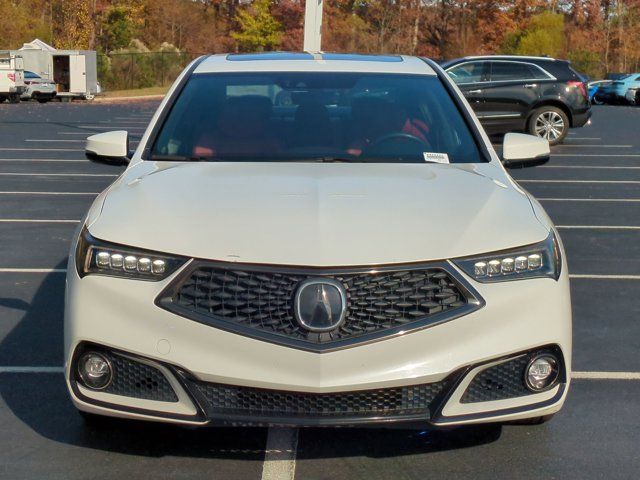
(290, 116)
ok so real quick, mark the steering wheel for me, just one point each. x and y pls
(395, 136)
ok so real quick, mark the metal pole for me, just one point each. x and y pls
(313, 26)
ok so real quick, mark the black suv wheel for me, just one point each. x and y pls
(549, 123)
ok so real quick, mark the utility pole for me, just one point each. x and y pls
(313, 26)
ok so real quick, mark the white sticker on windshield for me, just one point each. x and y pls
(435, 157)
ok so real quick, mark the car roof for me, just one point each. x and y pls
(313, 62)
(509, 57)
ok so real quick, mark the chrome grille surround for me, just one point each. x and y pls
(257, 300)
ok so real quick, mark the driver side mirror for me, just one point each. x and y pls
(520, 150)
(111, 148)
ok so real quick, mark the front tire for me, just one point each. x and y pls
(596, 100)
(549, 123)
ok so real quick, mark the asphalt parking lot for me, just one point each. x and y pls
(591, 189)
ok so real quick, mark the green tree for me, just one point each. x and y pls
(117, 28)
(544, 35)
(259, 30)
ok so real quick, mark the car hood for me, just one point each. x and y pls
(317, 214)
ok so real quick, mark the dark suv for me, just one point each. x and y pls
(540, 95)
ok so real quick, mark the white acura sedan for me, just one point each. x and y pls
(317, 239)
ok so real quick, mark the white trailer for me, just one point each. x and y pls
(73, 71)
(11, 77)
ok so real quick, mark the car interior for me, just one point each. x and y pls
(352, 118)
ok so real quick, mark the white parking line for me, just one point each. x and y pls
(595, 154)
(53, 140)
(280, 457)
(41, 160)
(124, 120)
(584, 138)
(598, 146)
(33, 270)
(34, 220)
(10, 149)
(591, 167)
(112, 127)
(20, 174)
(606, 375)
(31, 369)
(49, 193)
(604, 277)
(622, 200)
(581, 181)
(598, 227)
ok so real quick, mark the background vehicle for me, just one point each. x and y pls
(38, 88)
(539, 95)
(11, 77)
(621, 86)
(74, 72)
(633, 96)
(596, 89)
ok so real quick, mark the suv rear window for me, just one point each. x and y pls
(289, 116)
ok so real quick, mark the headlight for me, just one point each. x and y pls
(94, 256)
(534, 261)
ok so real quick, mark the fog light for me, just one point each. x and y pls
(541, 372)
(95, 370)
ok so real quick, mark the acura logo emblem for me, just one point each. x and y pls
(320, 304)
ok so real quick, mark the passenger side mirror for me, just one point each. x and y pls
(520, 150)
(110, 147)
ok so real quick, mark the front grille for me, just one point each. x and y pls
(270, 405)
(260, 302)
(138, 380)
(499, 382)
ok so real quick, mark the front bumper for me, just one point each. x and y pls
(118, 315)
(145, 387)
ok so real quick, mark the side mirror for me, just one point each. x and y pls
(520, 150)
(110, 147)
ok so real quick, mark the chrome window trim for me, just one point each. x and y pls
(484, 82)
(474, 302)
(499, 115)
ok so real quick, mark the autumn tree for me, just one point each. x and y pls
(258, 30)
(72, 24)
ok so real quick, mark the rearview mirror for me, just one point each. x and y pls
(109, 147)
(520, 150)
